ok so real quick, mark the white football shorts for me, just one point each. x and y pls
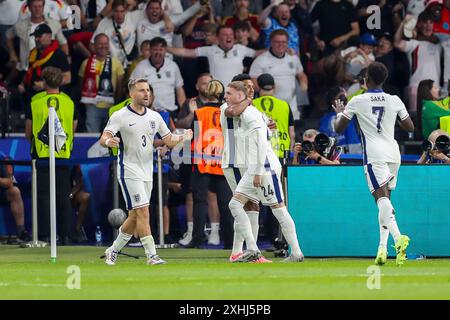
(233, 176)
(136, 193)
(270, 193)
(380, 173)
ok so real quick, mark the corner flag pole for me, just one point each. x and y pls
(51, 133)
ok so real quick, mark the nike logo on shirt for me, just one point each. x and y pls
(132, 124)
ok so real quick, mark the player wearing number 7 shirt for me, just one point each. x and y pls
(261, 180)
(377, 112)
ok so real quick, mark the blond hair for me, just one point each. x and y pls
(215, 90)
(132, 83)
(240, 86)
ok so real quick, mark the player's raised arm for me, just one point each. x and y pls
(342, 121)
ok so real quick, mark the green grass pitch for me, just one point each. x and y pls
(206, 274)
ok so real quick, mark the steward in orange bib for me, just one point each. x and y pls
(207, 173)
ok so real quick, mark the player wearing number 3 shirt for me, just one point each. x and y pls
(377, 112)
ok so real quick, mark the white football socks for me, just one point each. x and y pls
(384, 233)
(121, 240)
(238, 240)
(288, 229)
(149, 245)
(387, 217)
(243, 225)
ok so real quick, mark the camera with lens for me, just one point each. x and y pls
(322, 144)
(442, 144)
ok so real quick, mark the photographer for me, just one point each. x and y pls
(436, 149)
(316, 148)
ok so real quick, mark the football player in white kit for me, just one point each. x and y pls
(261, 180)
(132, 129)
(377, 113)
(234, 167)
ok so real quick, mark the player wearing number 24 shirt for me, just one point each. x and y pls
(377, 113)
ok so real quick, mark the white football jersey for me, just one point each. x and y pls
(136, 133)
(260, 156)
(233, 156)
(377, 113)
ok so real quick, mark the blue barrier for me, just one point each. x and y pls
(335, 214)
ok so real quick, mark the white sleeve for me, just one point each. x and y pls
(298, 65)
(138, 72)
(162, 129)
(113, 125)
(178, 78)
(402, 112)
(257, 159)
(248, 52)
(65, 12)
(203, 51)
(256, 69)
(350, 110)
(411, 45)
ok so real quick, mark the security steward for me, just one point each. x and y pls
(36, 131)
(279, 111)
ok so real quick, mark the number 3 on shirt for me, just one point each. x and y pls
(379, 111)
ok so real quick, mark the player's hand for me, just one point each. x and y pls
(272, 124)
(188, 134)
(112, 142)
(257, 181)
(338, 106)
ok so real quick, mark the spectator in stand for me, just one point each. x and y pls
(145, 52)
(424, 53)
(54, 9)
(195, 35)
(24, 28)
(8, 18)
(163, 75)
(285, 69)
(338, 22)
(281, 20)
(358, 58)
(432, 111)
(101, 83)
(314, 156)
(46, 53)
(156, 24)
(121, 31)
(427, 90)
(216, 6)
(225, 59)
(242, 14)
(255, 7)
(186, 114)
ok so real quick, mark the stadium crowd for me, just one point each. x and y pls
(302, 55)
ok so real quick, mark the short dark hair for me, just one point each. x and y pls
(153, 1)
(377, 73)
(425, 16)
(241, 77)
(221, 28)
(241, 25)
(52, 76)
(145, 42)
(29, 2)
(158, 41)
